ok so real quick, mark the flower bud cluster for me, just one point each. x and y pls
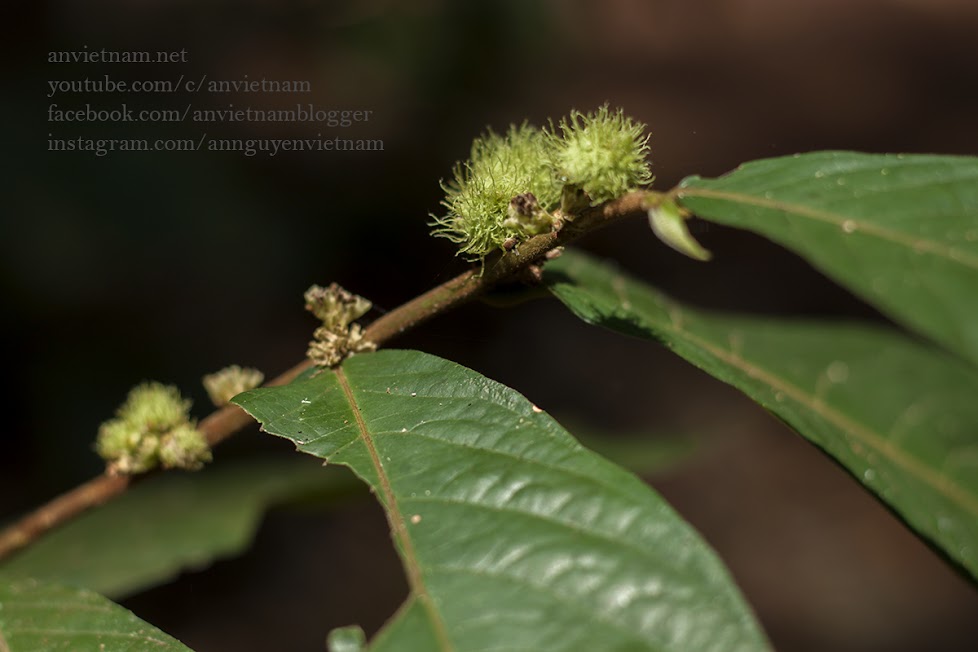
(338, 337)
(152, 428)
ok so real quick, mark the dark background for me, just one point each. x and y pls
(167, 266)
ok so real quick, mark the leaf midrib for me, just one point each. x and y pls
(865, 434)
(916, 244)
(396, 519)
(939, 482)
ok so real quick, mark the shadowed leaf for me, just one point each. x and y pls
(37, 616)
(900, 416)
(196, 518)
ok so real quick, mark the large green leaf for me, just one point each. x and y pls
(900, 416)
(195, 518)
(512, 535)
(901, 231)
(41, 617)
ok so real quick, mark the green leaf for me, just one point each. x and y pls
(36, 616)
(900, 416)
(512, 535)
(669, 225)
(196, 518)
(900, 231)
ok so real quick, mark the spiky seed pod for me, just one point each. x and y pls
(604, 153)
(587, 158)
(478, 197)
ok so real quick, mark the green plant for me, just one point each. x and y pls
(512, 534)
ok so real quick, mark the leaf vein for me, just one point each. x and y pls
(396, 519)
(865, 434)
(918, 244)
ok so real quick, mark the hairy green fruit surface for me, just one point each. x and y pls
(512, 186)
(478, 197)
(603, 153)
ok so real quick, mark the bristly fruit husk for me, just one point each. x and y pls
(478, 197)
(518, 185)
(604, 153)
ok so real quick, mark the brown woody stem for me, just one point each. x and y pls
(225, 421)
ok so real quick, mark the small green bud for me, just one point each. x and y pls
(183, 447)
(669, 225)
(154, 406)
(153, 418)
(126, 447)
(603, 153)
(119, 443)
(227, 383)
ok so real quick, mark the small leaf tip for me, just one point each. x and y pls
(669, 225)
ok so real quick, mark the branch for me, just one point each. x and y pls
(226, 421)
